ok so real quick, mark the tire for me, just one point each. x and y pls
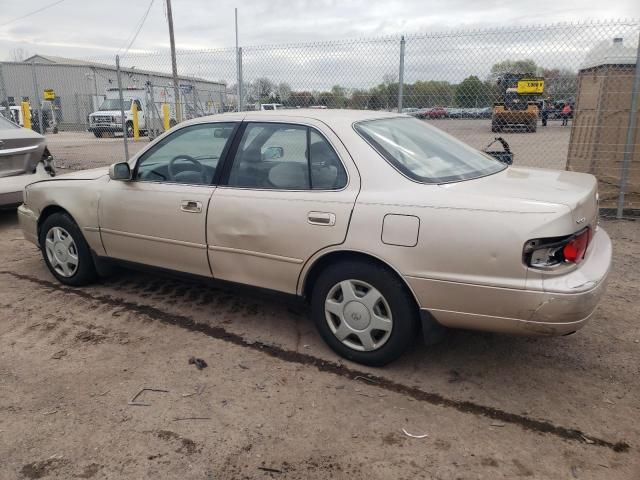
(172, 123)
(395, 305)
(52, 251)
(98, 134)
(129, 129)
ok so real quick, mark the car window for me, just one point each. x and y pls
(5, 124)
(190, 155)
(424, 153)
(285, 157)
(327, 172)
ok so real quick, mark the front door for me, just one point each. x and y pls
(287, 194)
(159, 217)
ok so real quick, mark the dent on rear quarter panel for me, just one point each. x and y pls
(80, 198)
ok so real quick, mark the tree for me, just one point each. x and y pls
(471, 92)
(513, 66)
(560, 84)
(300, 99)
(283, 91)
(261, 90)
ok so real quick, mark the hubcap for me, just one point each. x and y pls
(62, 252)
(358, 315)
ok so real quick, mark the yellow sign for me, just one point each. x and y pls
(49, 94)
(530, 86)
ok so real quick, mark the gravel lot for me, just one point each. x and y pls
(545, 148)
(274, 402)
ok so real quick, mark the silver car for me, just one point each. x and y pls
(24, 158)
(386, 225)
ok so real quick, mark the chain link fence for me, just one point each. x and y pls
(561, 95)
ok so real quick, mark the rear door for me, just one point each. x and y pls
(288, 191)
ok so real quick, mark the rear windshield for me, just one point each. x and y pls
(4, 123)
(424, 153)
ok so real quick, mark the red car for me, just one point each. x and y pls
(436, 112)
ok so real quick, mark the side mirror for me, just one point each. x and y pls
(120, 171)
(273, 153)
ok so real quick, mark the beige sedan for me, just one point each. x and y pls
(388, 226)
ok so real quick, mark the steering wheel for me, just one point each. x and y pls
(199, 167)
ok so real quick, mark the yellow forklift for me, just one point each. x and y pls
(520, 103)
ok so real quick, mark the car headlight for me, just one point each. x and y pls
(117, 119)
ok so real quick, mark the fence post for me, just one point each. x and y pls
(240, 92)
(36, 97)
(5, 95)
(631, 130)
(401, 74)
(123, 119)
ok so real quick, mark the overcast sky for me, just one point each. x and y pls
(90, 29)
(83, 28)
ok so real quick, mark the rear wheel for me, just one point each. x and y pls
(364, 312)
(65, 251)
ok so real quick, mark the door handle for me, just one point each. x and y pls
(321, 218)
(191, 206)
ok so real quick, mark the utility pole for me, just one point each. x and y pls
(174, 64)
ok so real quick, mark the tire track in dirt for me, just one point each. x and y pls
(219, 333)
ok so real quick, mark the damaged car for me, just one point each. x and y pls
(388, 227)
(24, 158)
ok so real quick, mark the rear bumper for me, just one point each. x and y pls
(561, 306)
(11, 187)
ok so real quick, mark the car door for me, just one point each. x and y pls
(158, 217)
(287, 192)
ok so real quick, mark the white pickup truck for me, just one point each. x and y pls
(108, 118)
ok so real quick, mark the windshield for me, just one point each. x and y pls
(4, 123)
(424, 153)
(114, 104)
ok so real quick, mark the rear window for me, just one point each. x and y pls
(4, 123)
(424, 153)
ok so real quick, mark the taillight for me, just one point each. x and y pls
(552, 252)
(575, 249)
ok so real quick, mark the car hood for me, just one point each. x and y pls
(84, 174)
(517, 185)
(101, 113)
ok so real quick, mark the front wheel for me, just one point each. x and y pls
(65, 251)
(364, 312)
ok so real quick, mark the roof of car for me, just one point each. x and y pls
(324, 115)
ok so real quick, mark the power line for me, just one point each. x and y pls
(139, 27)
(31, 13)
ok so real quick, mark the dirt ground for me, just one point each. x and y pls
(274, 402)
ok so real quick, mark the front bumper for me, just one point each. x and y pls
(560, 305)
(111, 128)
(28, 220)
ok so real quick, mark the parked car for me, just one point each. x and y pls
(385, 224)
(436, 112)
(24, 158)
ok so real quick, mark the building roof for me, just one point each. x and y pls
(37, 58)
(53, 59)
(610, 53)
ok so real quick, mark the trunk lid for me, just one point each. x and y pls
(577, 191)
(20, 151)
